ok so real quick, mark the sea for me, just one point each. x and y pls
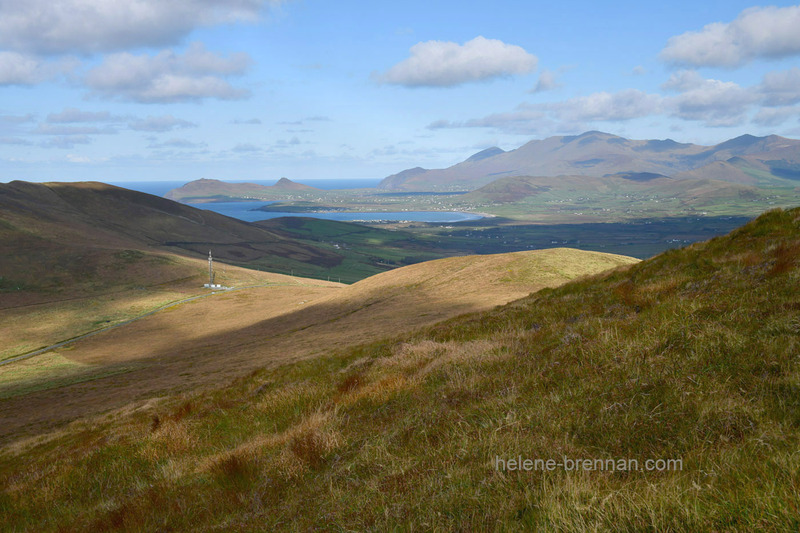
(248, 212)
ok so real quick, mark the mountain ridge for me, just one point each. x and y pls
(598, 154)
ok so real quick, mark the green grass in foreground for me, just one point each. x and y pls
(690, 356)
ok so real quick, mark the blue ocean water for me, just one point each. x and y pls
(245, 210)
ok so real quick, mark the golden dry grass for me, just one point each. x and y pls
(215, 339)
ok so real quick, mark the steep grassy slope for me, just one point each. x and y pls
(691, 356)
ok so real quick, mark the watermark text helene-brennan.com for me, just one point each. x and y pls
(568, 464)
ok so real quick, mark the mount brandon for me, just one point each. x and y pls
(770, 161)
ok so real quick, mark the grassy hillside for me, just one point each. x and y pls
(63, 235)
(690, 356)
(211, 340)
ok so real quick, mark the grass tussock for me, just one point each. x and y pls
(691, 357)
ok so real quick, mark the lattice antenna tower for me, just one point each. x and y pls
(210, 269)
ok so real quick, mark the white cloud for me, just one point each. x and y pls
(683, 81)
(780, 88)
(716, 103)
(765, 32)
(620, 106)
(446, 64)
(774, 116)
(169, 76)
(24, 69)
(548, 80)
(90, 26)
(160, 124)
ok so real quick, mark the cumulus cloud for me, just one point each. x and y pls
(781, 88)
(775, 116)
(683, 81)
(160, 124)
(91, 26)
(25, 69)
(446, 64)
(759, 32)
(715, 103)
(620, 106)
(548, 80)
(168, 76)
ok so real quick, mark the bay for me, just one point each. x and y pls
(246, 210)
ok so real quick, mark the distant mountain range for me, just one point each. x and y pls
(747, 160)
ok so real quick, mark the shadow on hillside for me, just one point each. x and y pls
(181, 365)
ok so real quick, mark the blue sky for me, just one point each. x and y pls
(116, 90)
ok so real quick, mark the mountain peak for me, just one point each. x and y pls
(287, 184)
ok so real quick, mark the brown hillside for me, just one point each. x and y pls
(212, 340)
